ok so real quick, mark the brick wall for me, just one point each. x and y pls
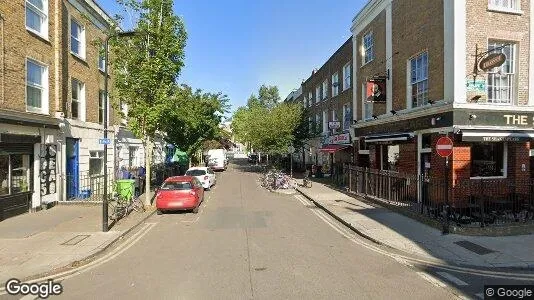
(417, 26)
(19, 45)
(408, 158)
(485, 25)
(85, 70)
(375, 67)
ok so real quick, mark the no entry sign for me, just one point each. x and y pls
(444, 146)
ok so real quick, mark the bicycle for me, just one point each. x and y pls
(306, 182)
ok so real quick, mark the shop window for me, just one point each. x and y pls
(96, 162)
(488, 160)
(426, 141)
(390, 157)
(4, 175)
(20, 173)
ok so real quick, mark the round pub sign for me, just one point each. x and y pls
(491, 61)
(444, 146)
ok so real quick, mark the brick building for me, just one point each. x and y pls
(327, 95)
(421, 56)
(51, 106)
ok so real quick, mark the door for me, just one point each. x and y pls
(425, 177)
(73, 160)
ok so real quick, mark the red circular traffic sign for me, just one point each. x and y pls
(444, 146)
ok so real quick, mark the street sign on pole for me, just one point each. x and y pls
(291, 149)
(104, 141)
(444, 146)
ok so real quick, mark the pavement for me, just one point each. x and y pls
(412, 237)
(37, 243)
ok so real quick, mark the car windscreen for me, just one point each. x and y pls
(195, 172)
(175, 185)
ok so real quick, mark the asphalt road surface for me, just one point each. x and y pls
(248, 243)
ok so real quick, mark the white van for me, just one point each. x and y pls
(217, 159)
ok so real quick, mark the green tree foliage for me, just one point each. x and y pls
(194, 117)
(265, 123)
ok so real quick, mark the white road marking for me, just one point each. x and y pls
(452, 278)
(403, 262)
(457, 269)
(480, 295)
(432, 279)
(102, 260)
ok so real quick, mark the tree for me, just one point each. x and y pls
(146, 67)
(193, 117)
(267, 124)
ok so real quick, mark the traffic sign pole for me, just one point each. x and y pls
(444, 148)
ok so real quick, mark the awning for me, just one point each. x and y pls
(497, 135)
(389, 137)
(333, 148)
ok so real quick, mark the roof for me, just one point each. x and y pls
(348, 41)
(180, 178)
(198, 168)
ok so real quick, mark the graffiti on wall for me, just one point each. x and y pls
(48, 169)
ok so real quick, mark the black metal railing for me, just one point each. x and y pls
(88, 187)
(468, 203)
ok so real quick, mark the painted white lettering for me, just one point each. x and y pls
(508, 117)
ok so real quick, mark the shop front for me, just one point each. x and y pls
(27, 162)
(335, 151)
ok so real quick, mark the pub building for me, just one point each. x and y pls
(472, 84)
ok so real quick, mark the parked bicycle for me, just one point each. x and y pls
(306, 182)
(275, 179)
(123, 203)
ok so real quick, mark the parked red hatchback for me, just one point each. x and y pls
(179, 193)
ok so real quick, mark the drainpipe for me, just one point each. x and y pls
(3, 54)
(57, 65)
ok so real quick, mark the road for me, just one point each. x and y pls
(248, 243)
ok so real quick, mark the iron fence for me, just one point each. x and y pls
(467, 203)
(88, 187)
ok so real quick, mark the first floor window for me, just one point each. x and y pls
(36, 85)
(317, 94)
(419, 79)
(77, 99)
(101, 106)
(325, 121)
(335, 84)
(325, 89)
(347, 116)
(501, 80)
(310, 98)
(96, 162)
(487, 159)
(368, 48)
(317, 123)
(346, 76)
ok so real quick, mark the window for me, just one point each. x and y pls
(175, 185)
(368, 48)
(78, 100)
(311, 127)
(419, 79)
(317, 94)
(15, 173)
(305, 102)
(37, 17)
(325, 121)
(501, 80)
(133, 157)
(4, 175)
(77, 39)
(368, 110)
(96, 162)
(488, 160)
(195, 172)
(318, 123)
(101, 106)
(346, 76)
(36, 87)
(347, 116)
(335, 84)
(390, 157)
(102, 59)
(310, 98)
(426, 141)
(506, 5)
(325, 89)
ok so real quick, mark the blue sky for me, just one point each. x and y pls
(235, 46)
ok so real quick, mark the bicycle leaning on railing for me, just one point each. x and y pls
(275, 179)
(122, 203)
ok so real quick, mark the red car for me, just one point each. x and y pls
(179, 193)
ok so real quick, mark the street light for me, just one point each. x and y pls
(105, 226)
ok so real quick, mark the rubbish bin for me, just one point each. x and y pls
(126, 188)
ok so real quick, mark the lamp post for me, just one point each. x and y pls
(105, 226)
